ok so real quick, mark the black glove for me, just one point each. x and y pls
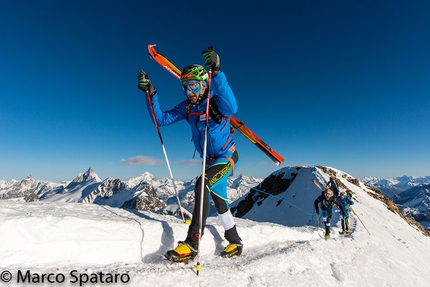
(212, 60)
(144, 83)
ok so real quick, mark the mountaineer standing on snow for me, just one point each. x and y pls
(326, 201)
(345, 201)
(222, 157)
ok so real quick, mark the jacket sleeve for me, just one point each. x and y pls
(340, 206)
(168, 117)
(227, 103)
(350, 202)
(316, 204)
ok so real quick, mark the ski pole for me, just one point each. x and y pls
(359, 219)
(318, 222)
(202, 181)
(148, 95)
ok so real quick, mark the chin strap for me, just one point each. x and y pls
(201, 97)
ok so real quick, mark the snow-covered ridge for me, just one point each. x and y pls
(146, 192)
(59, 236)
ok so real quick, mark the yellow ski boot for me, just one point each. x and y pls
(182, 253)
(231, 250)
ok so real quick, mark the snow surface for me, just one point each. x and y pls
(60, 237)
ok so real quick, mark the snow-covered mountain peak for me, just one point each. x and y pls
(146, 176)
(90, 174)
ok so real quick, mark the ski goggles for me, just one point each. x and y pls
(191, 86)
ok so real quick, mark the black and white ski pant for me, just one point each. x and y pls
(215, 184)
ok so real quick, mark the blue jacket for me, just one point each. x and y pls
(220, 137)
(327, 205)
(345, 203)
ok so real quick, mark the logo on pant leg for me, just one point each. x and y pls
(220, 174)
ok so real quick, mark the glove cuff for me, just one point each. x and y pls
(215, 72)
(152, 90)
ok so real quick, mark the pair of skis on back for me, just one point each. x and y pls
(237, 124)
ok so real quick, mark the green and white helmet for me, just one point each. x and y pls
(194, 73)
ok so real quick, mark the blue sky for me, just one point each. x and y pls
(338, 83)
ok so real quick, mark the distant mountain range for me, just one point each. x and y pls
(392, 186)
(411, 194)
(246, 194)
(144, 192)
